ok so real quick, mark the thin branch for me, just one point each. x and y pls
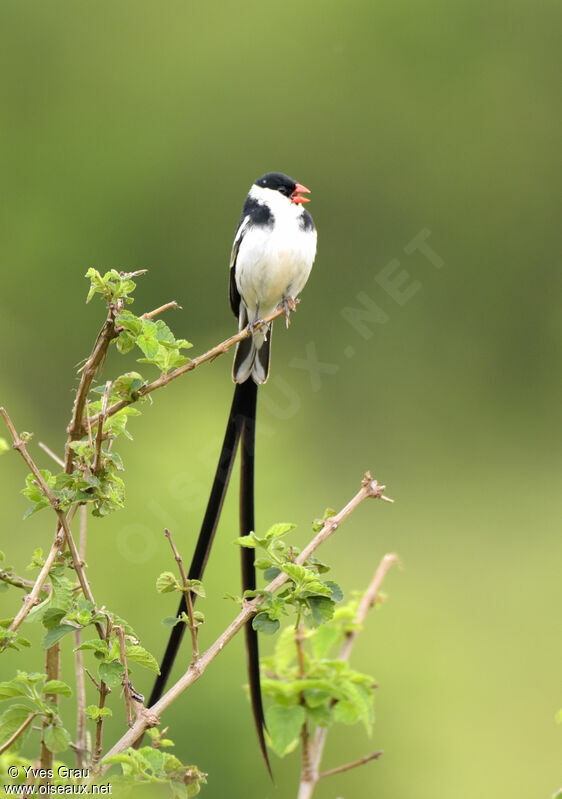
(210, 355)
(32, 598)
(17, 733)
(349, 766)
(310, 776)
(193, 629)
(104, 690)
(51, 454)
(126, 686)
(76, 428)
(169, 305)
(79, 662)
(16, 580)
(150, 716)
(52, 670)
(20, 446)
(99, 433)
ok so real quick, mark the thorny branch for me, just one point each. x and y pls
(187, 594)
(19, 445)
(310, 774)
(210, 355)
(150, 716)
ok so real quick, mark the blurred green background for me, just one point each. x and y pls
(130, 134)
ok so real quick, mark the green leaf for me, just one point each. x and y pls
(278, 530)
(125, 342)
(148, 345)
(52, 617)
(324, 639)
(167, 582)
(321, 609)
(57, 687)
(140, 655)
(10, 689)
(54, 635)
(196, 586)
(111, 673)
(284, 725)
(271, 573)
(335, 590)
(10, 721)
(95, 644)
(264, 624)
(171, 621)
(94, 713)
(346, 712)
(248, 541)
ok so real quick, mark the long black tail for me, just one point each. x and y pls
(241, 422)
(247, 525)
(206, 533)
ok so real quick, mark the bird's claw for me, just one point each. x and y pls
(290, 305)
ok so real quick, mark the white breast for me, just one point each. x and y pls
(274, 262)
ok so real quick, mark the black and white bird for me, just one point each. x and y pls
(272, 255)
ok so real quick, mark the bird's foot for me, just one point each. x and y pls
(290, 305)
(256, 324)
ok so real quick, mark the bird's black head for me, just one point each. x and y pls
(278, 182)
(285, 185)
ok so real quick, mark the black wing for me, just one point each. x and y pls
(233, 288)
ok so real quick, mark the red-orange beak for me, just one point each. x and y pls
(300, 189)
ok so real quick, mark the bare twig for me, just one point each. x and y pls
(150, 716)
(75, 428)
(32, 598)
(99, 434)
(16, 580)
(17, 733)
(310, 774)
(51, 454)
(104, 690)
(126, 686)
(193, 629)
(349, 766)
(210, 355)
(52, 670)
(19, 445)
(79, 663)
(169, 305)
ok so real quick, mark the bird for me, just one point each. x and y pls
(272, 256)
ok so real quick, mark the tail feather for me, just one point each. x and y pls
(247, 525)
(252, 356)
(206, 535)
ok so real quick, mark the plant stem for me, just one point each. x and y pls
(187, 593)
(311, 775)
(79, 663)
(149, 717)
(210, 355)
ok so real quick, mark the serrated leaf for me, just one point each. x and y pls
(94, 713)
(284, 725)
(8, 690)
(346, 712)
(335, 590)
(279, 530)
(324, 639)
(167, 582)
(54, 635)
(321, 609)
(262, 623)
(52, 617)
(248, 541)
(57, 687)
(111, 673)
(10, 721)
(140, 655)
